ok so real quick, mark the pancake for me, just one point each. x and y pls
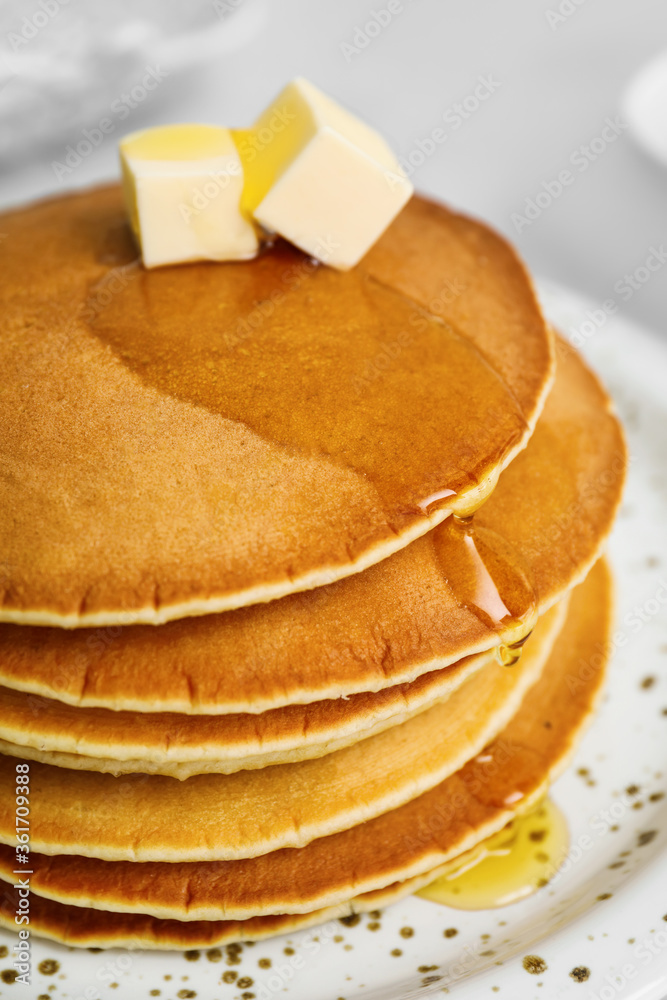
(182, 745)
(205, 437)
(555, 505)
(253, 812)
(293, 732)
(512, 774)
(85, 927)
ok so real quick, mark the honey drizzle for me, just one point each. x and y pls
(485, 576)
(269, 343)
(510, 865)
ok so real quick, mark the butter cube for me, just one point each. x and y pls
(319, 177)
(183, 186)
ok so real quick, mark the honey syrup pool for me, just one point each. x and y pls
(508, 866)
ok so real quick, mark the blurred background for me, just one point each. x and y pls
(548, 118)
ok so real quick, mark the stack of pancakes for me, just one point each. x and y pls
(249, 624)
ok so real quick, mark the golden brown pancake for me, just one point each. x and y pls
(473, 264)
(555, 505)
(85, 927)
(208, 436)
(417, 838)
(293, 732)
(252, 812)
(182, 745)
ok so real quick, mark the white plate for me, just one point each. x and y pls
(565, 925)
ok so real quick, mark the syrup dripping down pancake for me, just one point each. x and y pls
(554, 505)
(204, 437)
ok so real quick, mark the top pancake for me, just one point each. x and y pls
(554, 505)
(199, 438)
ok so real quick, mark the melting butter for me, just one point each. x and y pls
(508, 866)
(182, 186)
(320, 177)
